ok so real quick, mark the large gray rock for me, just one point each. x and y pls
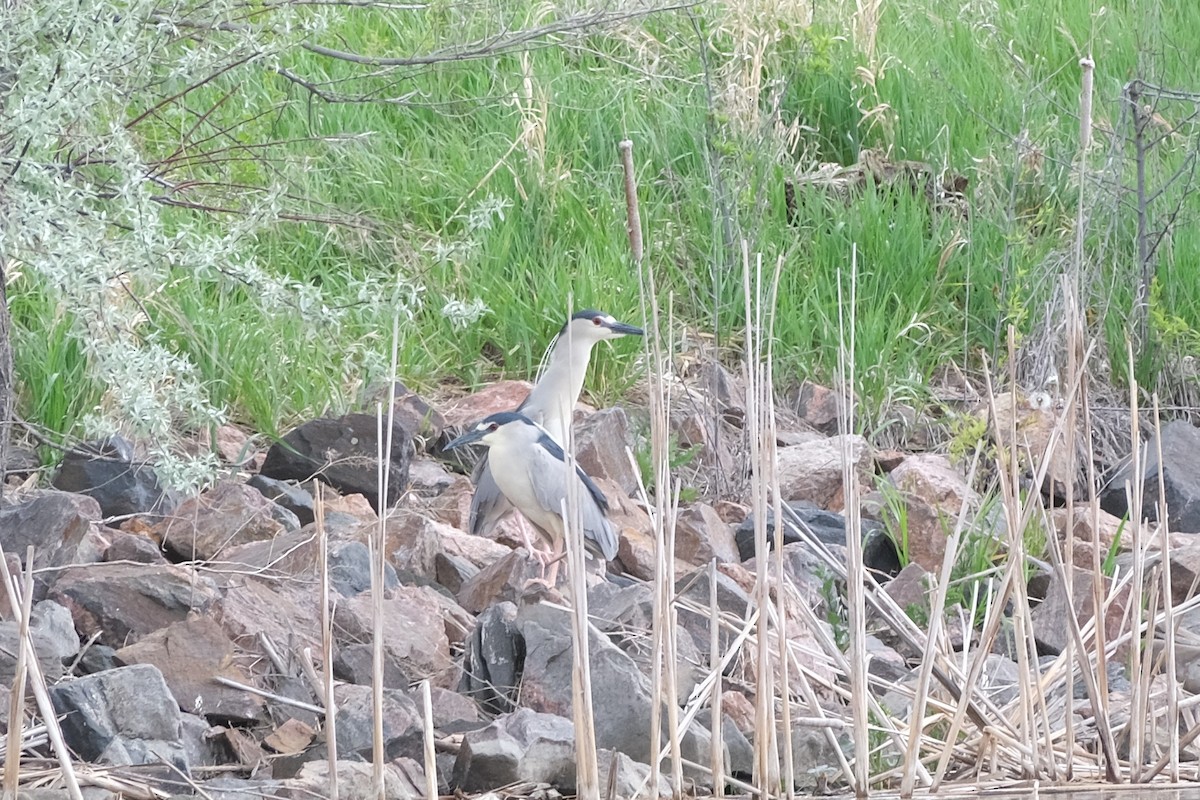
(107, 472)
(54, 631)
(402, 723)
(629, 779)
(342, 451)
(701, 535)
(355, 782)
(124, 602)
(126, 716)
(828, 527)
(494, 657)
(621, 693)
(1181, 479)
(522, 747)
(813, 471)
(287, 494)
(933, 493)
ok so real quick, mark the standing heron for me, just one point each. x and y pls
(550, 403)
(529, 469)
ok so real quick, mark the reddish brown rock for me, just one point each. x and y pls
(232, 445)
(506, 579)
(602, 448)
(1051, 628)
(228, 514)
(189, 654)
(813, 471)
(286, 613)
(818, 406)
(933, 492)
(499, 396)
(740, 709)
(414, 632)
(415, 542)
(701, 535)
(61, 527)
(124, 602)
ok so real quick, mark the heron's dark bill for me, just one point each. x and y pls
(467, 438)
(628, 330)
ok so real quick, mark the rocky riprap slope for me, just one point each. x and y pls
(180, 636)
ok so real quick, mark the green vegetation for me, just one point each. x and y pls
(496, 180)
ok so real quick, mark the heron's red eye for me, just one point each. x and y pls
(597, 321)
(493, 427)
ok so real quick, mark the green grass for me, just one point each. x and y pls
(963, 84)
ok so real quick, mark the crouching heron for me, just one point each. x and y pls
(529, 470)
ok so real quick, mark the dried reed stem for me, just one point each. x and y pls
(331, 750)
(16, 702)
(716, 755)
(587, 768)
(855, 573)
(1137, 721)
(378, 570)
(1164, 530)
(431, 777)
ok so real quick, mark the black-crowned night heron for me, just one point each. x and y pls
(551, 403)
(530, 471)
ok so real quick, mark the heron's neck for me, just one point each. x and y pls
(557, 391)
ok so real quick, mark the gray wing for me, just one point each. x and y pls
(549, 478)
(488, 504)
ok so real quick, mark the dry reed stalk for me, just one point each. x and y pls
(327, 698)
(1137, 702)
(587, 768)
(431, 778)
(766, 755)
(378, 569)
(716, 754)
(921, 695)
(1164, 529)
(16, 700)
(855, 573)
(19, 601)
(633, 217)
(771, 459)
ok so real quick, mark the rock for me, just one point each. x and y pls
(287, 494)
(814, 756)
(402, 722)
(933, 493)
(999, 679)
(602, 441)
(133, 548)
(200, 743)
(521, 747)
(342, 451)
(229, 788)
(1181, 478)
(124, 602)
(452, 712)
(413, 630)
(732, 599)
(620, 692)
(493, 659)
(429, 478)
(817, 405)
(627, 778)
(504, 580)
(416, 542)
(227, 515)
(738, 710)
(233, 445)
(98, 658)
(21, 462)
(350, 569)
(189, 654)
(1112, 531)
(453, 572)
(125, 716)
(1050, 621)
(61, 528)
(356, 781)
(879, 553)
(1035, 420)
(354, 663)
(738, 750)
(54, 631)
(885, 663)
(498, 396)
(910, 589)
(415, 414)
(44, 644)
(286, 614)
(701, 535)
(813, 471)
(106, 471)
